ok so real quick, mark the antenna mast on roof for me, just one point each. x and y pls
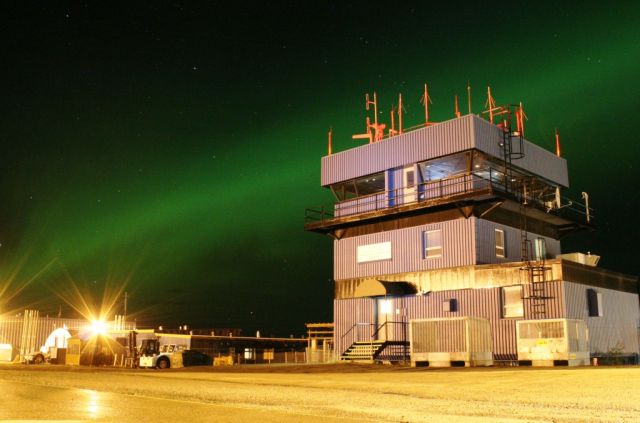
(557, 143)
(329, 141)
(425, 99)
(392, 130)
(400, 113)
(469, 96)
(456, 110)
(520, 118)
(490, 104)
(378, 129)
(375, 106)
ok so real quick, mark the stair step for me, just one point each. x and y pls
(367, 351)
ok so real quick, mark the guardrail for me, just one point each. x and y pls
(467, 183)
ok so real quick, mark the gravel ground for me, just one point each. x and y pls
(361, 393)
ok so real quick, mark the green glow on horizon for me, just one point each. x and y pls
(199, 180)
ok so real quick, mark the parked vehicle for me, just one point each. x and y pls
(154, 355)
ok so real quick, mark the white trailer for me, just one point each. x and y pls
(445, 342)
(550, 342)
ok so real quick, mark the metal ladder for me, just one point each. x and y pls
(537, 280)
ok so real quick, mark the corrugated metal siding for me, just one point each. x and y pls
(439, 335)
(11, 329)
(554, 306)
(537, 160)
(458, 248)
(422, 144)
(346, 313)
(451, 335)
(465, 242)
(462, 277)
(475, 303)
(486, 243)
(439, 140)
(619, 323)
(486, 303)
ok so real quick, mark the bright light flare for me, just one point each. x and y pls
(98, 327)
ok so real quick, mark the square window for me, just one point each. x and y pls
(450, 305)
(594, 303)
(512, 302)
(432, 243)
(500, 244)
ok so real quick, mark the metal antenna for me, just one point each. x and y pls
(456, 110)
(392, 130)
(520, 118)
(557, 143)
(400, 110)
(490, 104)
(329, 141)
(426, 100)
(469, 96)
(375, 107)
(377, 128)
(368, 135)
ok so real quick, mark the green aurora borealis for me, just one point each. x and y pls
(176, 147)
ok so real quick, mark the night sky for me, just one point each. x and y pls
(169, 150)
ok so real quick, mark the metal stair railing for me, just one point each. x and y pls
(355, 338)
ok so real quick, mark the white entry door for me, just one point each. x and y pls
(384, 315)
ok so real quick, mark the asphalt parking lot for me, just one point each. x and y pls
(341, 393)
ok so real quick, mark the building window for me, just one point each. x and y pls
(365, 185)
(410, 179)
(594, 303)
(540, 249)
(432, 243)
(500, 244)
(512, 303)
(450, 305)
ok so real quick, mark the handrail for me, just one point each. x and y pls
(318, 213)
(372, 336)
(384, 324)
(354, 326)
(458, 184)
(464, 183)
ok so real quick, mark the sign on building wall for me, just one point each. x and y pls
(374, 252)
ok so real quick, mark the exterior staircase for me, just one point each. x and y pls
(369, 351)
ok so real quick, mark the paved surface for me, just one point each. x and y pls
(339, 393)
(26, 402)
